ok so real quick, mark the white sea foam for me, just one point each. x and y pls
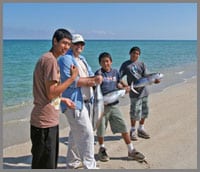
(180, 73)
(16, 121)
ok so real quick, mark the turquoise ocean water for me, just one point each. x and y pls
(176, 59)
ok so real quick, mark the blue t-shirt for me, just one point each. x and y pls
(110, 80)
(73, 91)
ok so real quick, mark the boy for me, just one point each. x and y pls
(139, 110)
(112, 113)
(44, 129)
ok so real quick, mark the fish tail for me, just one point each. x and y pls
(132, 88)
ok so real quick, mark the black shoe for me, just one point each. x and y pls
(143, 134)
(135, 155)
(103, 156)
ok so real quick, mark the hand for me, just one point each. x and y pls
(128, 89)
(70, 104)
(98, 79)
(120, 86)
(157, 81)
(73, 71)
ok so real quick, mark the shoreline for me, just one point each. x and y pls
(172, 75)
(169, 111)
(21, 120)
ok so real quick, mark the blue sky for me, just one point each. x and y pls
(174, 21)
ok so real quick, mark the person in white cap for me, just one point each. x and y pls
(81, 137)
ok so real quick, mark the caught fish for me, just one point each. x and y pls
(98, 107)
(147, 80)
(113, 96)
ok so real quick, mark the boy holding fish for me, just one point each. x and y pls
(135, 70)
(111, 82)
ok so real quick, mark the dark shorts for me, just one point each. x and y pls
(44, 149)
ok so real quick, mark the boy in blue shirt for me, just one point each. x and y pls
(111, 82)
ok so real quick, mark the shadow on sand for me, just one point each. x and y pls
(24, 162)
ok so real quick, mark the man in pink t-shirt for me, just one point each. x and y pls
(46, 91)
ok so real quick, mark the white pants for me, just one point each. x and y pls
(81, 139)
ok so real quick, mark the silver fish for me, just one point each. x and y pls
(147, 80)
(98, 107)
(113, 96)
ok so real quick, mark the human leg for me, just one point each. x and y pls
(135, 115)
(83, 137)
(126, 138)
(102, 154)
(44, 147)
(118, 125)
(101, 141)
(133, 130)
(73, 160)
(145, 111)
(132, 152)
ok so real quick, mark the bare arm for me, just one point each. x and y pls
(90, 81)
(122, 85)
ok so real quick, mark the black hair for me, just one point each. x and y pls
(135, 49)
(59, 34)
(103, 55)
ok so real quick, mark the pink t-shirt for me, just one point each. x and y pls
(45, 114)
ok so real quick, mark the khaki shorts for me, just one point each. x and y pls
(117, 122)
(139, 108)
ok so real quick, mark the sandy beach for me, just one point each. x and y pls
(172, 124)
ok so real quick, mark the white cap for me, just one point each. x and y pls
(77, 38)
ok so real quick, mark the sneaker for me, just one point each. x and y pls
(143, 134)
(135, 155)
(75, 166)
(97, 167)
(103, 156)
(133, 135)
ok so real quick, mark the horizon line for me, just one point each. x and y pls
(21, 39)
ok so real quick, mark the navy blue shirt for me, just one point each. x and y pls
(134, 71)
(110, 80)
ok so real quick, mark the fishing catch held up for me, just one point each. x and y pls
(147, 80)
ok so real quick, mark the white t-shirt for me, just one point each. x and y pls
(87, 92)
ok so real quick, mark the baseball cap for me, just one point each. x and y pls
(77, 38)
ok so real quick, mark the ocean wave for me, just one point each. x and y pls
(16, 121)
(17, 106)
(180, 73)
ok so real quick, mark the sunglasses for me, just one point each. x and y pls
(79, 43)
